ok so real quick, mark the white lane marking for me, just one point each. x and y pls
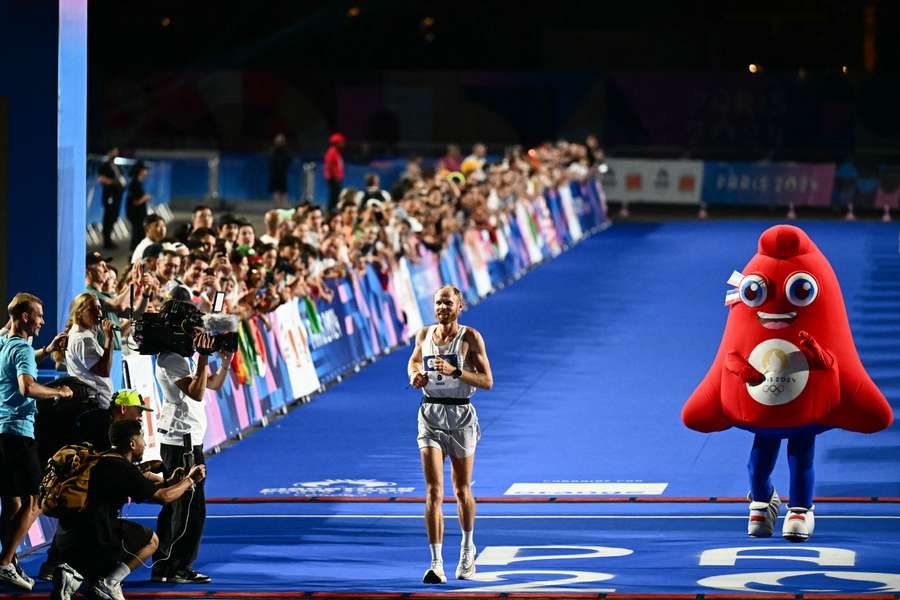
(854, 517)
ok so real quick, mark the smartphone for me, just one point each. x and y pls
(209, 271)
(219, 302)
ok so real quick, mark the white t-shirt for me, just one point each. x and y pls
(268, 239)
(82, 353)
(138, 254)
(180, 413)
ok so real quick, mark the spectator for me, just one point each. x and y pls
(475, 161)
(150, 257)
(154, 233)
(373, 192)
(113, 183)
(279, 165)
(113, 305)
(273, 228)
(334, 169)
(137, 201)
(201, 218)
(229, 227)
(167, 270)
(86, 358)
(96, 543)
(20, 469)
(206, 239)
(452, 161)
(246, 235)
(183, 391)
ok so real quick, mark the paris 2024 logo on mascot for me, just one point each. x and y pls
(787, 368)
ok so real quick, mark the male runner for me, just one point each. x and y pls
(448, 363)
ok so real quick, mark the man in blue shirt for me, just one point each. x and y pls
(20, 469)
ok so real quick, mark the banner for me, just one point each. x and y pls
(767, 183)
(405, 297)
(140, 377)
(652, 180)
(293, 341)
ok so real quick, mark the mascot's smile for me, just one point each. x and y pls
(776, 320)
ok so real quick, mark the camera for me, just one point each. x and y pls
(173, 328)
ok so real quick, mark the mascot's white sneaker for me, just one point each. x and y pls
(799, 524)
(435, 574)
(763, 516)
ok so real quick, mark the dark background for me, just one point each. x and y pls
(657, 79)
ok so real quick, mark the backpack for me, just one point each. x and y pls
(64, 487)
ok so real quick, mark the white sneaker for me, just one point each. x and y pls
(799, 524)
(466, 567)
(21, 571)
(66, 582)
(763, 516)
(10, 574)
(108, 589)
(435, 574)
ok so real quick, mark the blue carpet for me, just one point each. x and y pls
(593, 356)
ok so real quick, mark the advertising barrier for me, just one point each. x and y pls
(767, 183)
(289, 354)
(652, 180)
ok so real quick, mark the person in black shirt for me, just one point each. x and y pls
(136, 202)
(279, 165)
(113, 182)
(96, 543)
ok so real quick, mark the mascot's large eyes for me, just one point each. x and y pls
(753, 290)
(801, 289)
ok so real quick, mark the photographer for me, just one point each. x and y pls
(20, 469)
(95, 542)
(184, 415)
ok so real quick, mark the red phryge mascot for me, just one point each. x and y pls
(787, 368)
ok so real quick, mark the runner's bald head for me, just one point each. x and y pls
(452, 289)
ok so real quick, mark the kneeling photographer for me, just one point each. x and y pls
(95, 542)
(174, 335)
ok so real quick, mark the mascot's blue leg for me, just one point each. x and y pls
(761, 464)
(801, 448)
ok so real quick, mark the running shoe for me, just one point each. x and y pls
(66, 582)
(10, 574)
(435, 574)
(466, 567)
(21, 571)
(799, 524)
(108, 589)
(763, 516)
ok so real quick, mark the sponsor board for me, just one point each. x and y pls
(646, 180)
(586, 488)
(339, 487)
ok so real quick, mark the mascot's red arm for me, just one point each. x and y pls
(863, 407)
(703, 410)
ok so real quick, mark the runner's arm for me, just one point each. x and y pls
(481, 376)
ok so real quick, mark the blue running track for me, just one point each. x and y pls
(593, 354)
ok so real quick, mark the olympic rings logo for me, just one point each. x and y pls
(773, 389)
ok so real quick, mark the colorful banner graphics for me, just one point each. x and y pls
(651, 180)
(767, 183)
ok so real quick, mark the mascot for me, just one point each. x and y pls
(786, 368)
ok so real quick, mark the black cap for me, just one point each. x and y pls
(95, 257)
(152, 251)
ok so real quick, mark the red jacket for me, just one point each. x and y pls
(334, 164)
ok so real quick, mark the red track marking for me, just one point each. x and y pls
(544, 499)
(263, 595)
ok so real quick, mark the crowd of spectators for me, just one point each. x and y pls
(302, 247)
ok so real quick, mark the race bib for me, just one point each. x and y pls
(436, 379)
